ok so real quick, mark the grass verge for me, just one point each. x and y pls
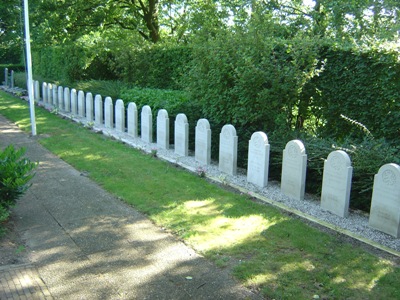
(267, 250)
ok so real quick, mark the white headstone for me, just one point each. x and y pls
(50, 93)
(67, 99)
(98, 110)
(6, 76)
(385, 206)
(44, 92)
(203, 142)
(336, 183)
(55, 95)
(146, 124)
(60, 94)
(81, 104)
(74, 102)
(294, 168)
(37, 90)
(12, 79)
(228, 142)
(108, 113)
(258, 159)
(181, 135)
(120, 115)
(89, 107)
(163, 129)
(132, 120)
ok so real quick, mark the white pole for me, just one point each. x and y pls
(29, 67)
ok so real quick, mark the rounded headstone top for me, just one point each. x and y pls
(162, 113)
(390, 174)
(146, 109)
(181, 118)
(259, 138)
(132, 105)
(203, 125)
(339, 159)
(295, 148)
(228, 131)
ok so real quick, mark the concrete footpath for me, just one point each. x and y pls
(84, 243)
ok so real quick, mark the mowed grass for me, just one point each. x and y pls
(267, 250)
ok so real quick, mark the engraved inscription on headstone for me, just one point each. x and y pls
(67, 99)
(228, 141)
(336, 183)
(258, 159)
(294, 167)
(60, 98)
(98, 110)
(132, 120)
(163, 129)
(120, 115)
(89, 107)
(203, 142)
(74, 102)
(81, 104)
(181, 136)
(146, 124)
(44, 92)
(385, 206)
(108, 113)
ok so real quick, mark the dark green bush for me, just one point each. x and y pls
(361, 85)
(15, 174)
(153, 66)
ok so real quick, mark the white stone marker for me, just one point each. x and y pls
(181, 135)
(67, 99)
(81, 104)
(228, 143)
(385, 206)
(6, 76)
(120, 115)
(89, 107)
(258, 159)
(163, 129)
(98, 110)
(44, 92)
(294, 168)
(202, 141)
(336, 183)
(74, 102)
(60, 102)
(37, 90)
(108, 113)
(146, 124)
(50, 93)
(132, 120)
(55, 96)
(12, 79)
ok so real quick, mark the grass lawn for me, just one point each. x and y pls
(267, 250)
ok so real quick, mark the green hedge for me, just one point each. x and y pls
(356, 87)
(155, 66)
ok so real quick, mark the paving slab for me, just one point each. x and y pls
(84, 243)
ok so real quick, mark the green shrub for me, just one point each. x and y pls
(156, 66)
(15, 174)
